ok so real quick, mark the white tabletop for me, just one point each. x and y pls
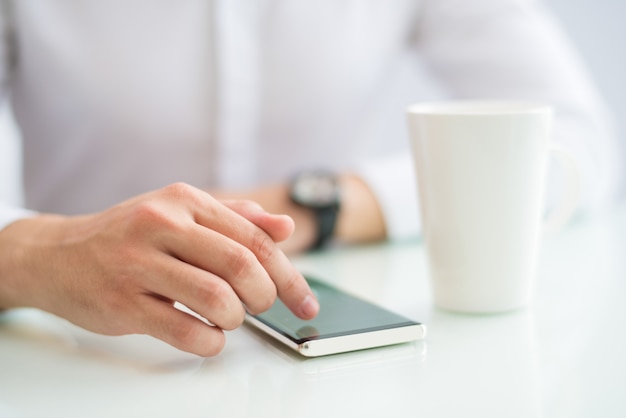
(565, 356)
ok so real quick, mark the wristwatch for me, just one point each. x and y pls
(319, 192)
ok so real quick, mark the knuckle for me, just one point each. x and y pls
(289, 284)
(241, 261)
(233, 318)
(269, 300)
(215, 294)
(182, 192)
(179, 190)
(195, 337)
(263, 302)
(148, 213)
(227, 310)
(151, 218)
(262, 246)
(185, 333)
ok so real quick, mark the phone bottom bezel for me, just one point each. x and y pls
(322, 346)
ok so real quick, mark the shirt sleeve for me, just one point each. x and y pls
(398, 199)
(515, 49)
(8, 213)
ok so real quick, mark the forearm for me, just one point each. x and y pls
(10, 249)
(22, 244)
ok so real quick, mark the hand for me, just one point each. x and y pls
(360, 217)
(120, 271)
(275, 199)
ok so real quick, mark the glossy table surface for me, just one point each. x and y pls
(564, 356)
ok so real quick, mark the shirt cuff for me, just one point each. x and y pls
(393, 182)
(9, 214)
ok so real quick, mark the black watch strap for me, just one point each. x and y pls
(326, 219)
(318, 191)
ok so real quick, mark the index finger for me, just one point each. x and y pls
(291, 286)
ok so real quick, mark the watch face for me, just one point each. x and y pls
(315, 190)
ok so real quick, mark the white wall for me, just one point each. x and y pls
(596, 26)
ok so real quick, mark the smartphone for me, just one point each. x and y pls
(344, 323)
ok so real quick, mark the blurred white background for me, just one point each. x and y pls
(596, 27)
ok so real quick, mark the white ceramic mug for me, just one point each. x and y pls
(481, 172)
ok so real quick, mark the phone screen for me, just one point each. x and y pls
(340, 314)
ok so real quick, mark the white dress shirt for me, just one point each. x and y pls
(114, 98)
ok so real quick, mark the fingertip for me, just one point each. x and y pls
(211, 345)
(287, 229)
(278, 227)
(182, 330)
(309, 308)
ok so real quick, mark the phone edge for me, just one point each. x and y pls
(345, 343)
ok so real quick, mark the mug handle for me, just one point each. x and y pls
(565, 209)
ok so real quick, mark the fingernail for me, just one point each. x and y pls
(309, 307)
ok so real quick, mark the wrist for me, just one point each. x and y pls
(361, 218)
(318, 193)
(24, 260)
(12, 266)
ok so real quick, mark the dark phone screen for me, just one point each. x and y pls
(340, 314)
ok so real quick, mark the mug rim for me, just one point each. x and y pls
(478, 107)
